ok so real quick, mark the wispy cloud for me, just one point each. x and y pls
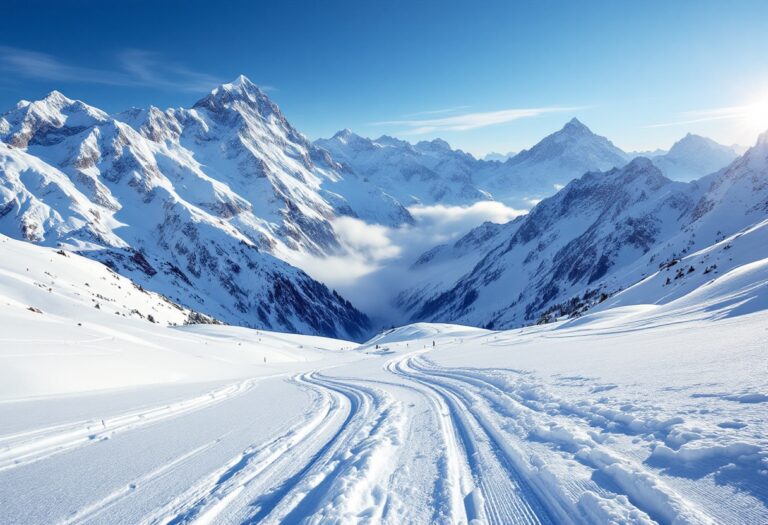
(436, 111)
(469, 121)
(149, 68)
(707, 115)
(134, 68)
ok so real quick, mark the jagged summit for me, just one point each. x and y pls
(345, 135)
(230, 176)
(241, 83)
(57, 97)
(574, 139)
(575, 125)
(239, 91)
(691, 139)
(559, 158)
(693, 157)
(47, 120)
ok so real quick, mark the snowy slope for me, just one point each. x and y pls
(730, 277)
(693, 157)
(622, 416)
(161, 196)
(71, 324)
(601, 234)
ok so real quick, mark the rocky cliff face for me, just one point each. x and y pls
(193, 203)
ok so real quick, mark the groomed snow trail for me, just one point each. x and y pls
(35, 445)
(406, 434)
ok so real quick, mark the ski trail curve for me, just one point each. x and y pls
(331, 465)
(499, 494)
(646, 494)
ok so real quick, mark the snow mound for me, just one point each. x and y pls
(417, 332)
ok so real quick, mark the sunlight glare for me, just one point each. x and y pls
(757, 115)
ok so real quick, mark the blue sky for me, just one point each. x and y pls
(486, 76)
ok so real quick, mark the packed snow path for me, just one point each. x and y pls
(403, 432)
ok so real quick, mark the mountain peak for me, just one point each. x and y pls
(640, 164)
(242, 91)
(575, 145)
(242, 80)
(692, 137)
(436, 145)
(697, 144)
(576, 126)
(441, 144)
(48, 120)
(343, 134)
(240, 86)
(762, 139)
(347, 136)
(57, 98)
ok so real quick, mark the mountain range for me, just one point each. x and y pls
(604, 233)
(192, 203)
(214, 205)
(431, 172)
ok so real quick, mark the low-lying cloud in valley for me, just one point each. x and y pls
(370, 269)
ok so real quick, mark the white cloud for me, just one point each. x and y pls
(374, 260)
(437, 111)
(469, 120)
(449, 221)
(708, 115)
(150, 69)
(365, 249)
(371, 241)
(135, 68)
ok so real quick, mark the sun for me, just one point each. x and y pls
(756, 114)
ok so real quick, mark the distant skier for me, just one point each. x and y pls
(433, 344)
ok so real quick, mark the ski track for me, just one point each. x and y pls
(490, 448)
(498, 493)
(291, 478)
(26, 447)
(645, 496)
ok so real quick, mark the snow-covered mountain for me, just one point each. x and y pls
(424, 173)
(554, 162)
(602, 233)
(430, 172)
(694, 156)
(498, 157)
(188, 202)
